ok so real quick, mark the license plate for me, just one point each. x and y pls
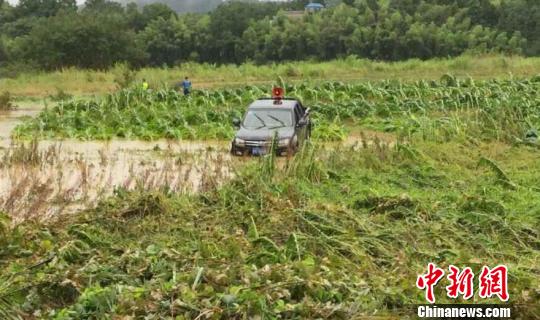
(257, 151)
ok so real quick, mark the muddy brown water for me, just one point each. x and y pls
(10, 119)
(55, 178)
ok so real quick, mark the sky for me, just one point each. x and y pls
(15, 1)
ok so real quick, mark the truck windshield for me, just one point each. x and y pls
(269, 118)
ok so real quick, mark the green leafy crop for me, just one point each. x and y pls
(451, 108)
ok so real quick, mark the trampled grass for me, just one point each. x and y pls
(332, 234)
(206, 76)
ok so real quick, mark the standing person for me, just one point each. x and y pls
(145, 85)
(186, 85)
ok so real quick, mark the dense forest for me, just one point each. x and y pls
(51, 34)
(181, 5)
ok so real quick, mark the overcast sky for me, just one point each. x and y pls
(82, 1)
(15, 1)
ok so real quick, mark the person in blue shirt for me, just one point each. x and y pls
(186, 85)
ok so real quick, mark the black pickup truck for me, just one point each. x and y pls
(282, 118)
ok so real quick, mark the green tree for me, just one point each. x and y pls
(53, 33)
(82, 40)
(166, 41)
(522, 16)
(228, 23)
(43, 8)
(154, 11)
(103, 7)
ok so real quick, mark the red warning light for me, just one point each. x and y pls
(278, 93)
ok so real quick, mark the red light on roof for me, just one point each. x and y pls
(278, 93)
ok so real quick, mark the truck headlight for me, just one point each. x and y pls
(284, 142)
(239, 142)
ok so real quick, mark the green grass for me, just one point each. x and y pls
(205, 76)
(332, 234)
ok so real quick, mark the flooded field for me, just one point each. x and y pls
(42, 179)
(39, 180)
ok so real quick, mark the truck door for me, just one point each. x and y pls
(301, 131)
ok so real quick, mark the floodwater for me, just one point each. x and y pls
(49, 178)
(10, 119)
(52, 178)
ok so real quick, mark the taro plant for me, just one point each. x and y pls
(441, 111)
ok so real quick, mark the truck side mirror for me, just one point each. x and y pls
(302, 122)
(236, 122)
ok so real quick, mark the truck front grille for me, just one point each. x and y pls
(258, 143)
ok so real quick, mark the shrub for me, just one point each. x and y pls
(6, 101)
(60, 95)
(124, 76)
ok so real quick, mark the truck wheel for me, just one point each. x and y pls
(294, 149)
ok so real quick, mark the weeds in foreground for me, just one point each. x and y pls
(40, 182)
(327, 234)
(335, 233)
(23, 153)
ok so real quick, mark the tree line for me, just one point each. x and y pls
(182, 5)
(51, 34)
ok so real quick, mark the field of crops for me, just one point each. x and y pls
(442, 110)
(334, 232)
